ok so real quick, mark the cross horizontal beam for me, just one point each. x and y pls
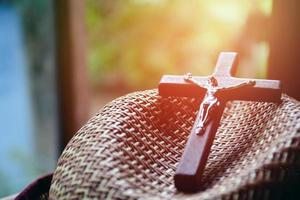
(172, 85)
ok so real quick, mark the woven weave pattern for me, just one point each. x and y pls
(131, 148)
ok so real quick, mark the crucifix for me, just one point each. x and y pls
(215, 91)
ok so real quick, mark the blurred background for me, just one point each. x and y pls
(61, 61)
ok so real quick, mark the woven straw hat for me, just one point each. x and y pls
(131, 148)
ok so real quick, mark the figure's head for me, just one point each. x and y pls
(212, 81)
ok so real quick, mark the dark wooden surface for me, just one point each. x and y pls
(284, 59)
(72, 70)
(192, 164)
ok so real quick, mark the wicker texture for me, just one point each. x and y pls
(131, 148)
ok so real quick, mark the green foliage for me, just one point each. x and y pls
(38, 25)
(134, 42)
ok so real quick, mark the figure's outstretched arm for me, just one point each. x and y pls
(246, 83)
(189, 78)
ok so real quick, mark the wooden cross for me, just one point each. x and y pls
(214, 91)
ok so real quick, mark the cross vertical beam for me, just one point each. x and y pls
(191, 166)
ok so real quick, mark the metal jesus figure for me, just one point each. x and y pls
(210, 102)
(214, 91)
